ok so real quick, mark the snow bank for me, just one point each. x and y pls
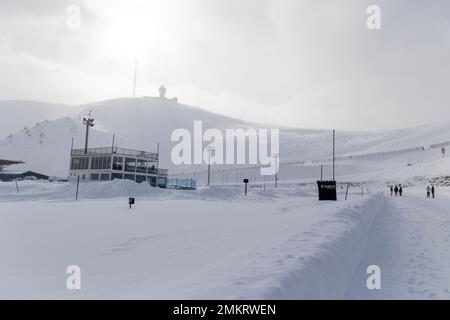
(42, 190)
(326, 272)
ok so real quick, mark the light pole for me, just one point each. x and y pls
(276, 156)
(334, 154)
(89, 122)
(209, 148)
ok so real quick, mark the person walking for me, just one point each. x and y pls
(392, 191)
(400, 191)
(432, 191)
(396, 190)
(428, 191)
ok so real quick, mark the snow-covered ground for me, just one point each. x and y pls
(409, 240)
(217, 243)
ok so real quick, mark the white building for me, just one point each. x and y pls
(108, 163)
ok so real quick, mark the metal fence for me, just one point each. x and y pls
(115, 150)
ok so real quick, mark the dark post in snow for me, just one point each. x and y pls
(246, 183)
(346, 192)
(89, 122)
(17, 186)
(78, 182)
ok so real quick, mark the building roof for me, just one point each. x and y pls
(7, 176)
(5, 163)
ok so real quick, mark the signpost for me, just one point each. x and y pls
(246, 183)
(327, 190)
(130, 201)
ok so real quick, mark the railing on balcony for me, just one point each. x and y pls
(116, 150)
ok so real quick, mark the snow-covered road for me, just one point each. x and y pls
(409, 241)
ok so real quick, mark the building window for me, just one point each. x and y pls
(83, 177)
(151, 169)
(141, 166)
(79, 163)
(128, 176)
(162, 182)
(118, 163)
(94, 176)
(130, 165)
(140, 179)
(116, 176)
(152, 181)
(100, 163)
(104, 177)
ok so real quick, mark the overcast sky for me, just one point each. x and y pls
(287, 62)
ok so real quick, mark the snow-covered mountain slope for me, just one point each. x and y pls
(143, 122)
(45, 147)
(17, 114)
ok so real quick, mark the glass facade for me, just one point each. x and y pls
(100, 166)
(116, 176)
(130, 164)
(141, 166)
(100, 163)
(117, 163)
(140, 179)
(79, 163)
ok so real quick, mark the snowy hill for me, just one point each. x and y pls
(17, 114)
(141, 122)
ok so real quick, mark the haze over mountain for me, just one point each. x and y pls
(141, 123)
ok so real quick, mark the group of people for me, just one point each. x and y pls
(398, 190)
(430, 191)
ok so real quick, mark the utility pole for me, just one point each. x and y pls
(334, 131)
(89, 122)
(157, 161)
(209, 148)
(135, 78)
(113, 138)
(276, 156)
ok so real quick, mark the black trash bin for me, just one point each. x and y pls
(327, 190)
